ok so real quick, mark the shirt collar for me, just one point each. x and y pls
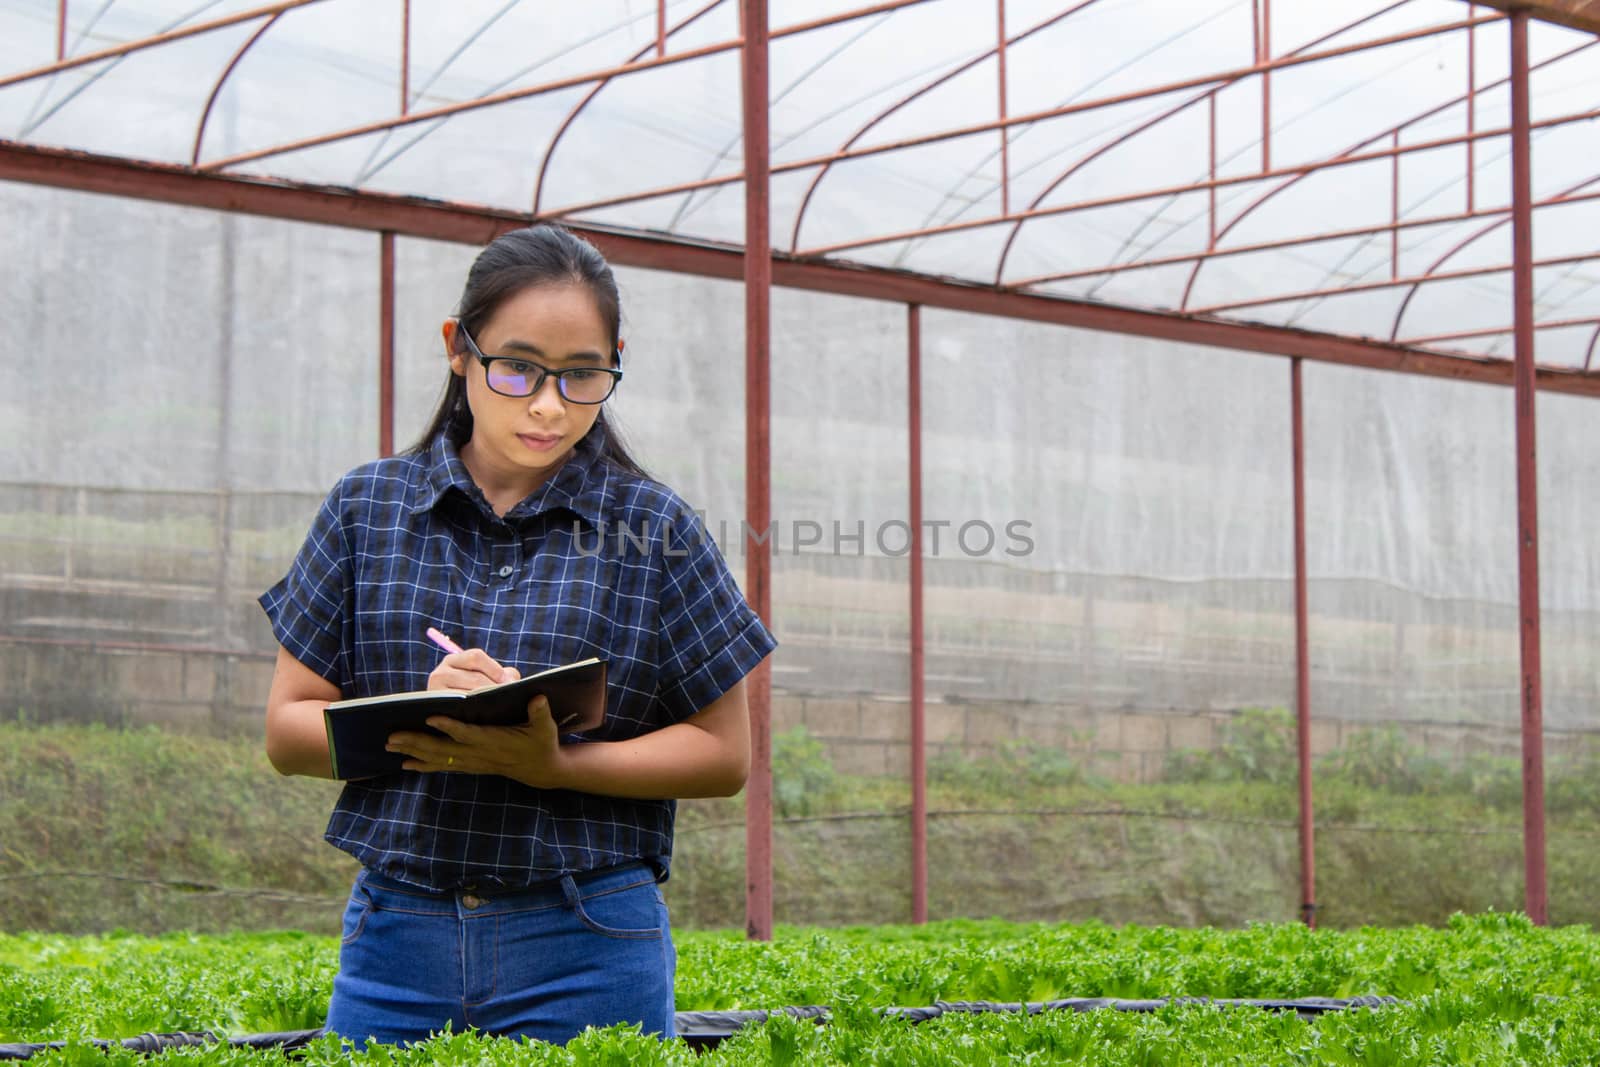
(580, 485)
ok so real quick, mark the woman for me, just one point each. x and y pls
(510, 882)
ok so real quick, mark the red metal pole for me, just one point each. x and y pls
(1255, 30)
(1211, 173)
(919, 737)
(1533, 844)
(661, 28)
(1394, 211)
(405, 57)
(1266, 85)
(386, 343)
(1302, 653)
(61, 30)
(1005, 134)
(1472, 102)
(758, 455)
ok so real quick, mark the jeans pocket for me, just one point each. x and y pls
(355, 916)
(632, 912)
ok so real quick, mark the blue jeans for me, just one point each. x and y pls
(583, 950)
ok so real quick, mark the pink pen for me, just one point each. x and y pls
(442, 641)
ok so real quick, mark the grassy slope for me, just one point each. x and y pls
(150, 831)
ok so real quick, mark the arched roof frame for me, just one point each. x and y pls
(907, 108)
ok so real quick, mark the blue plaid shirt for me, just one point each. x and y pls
(597, 562)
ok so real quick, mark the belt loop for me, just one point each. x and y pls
(569, 891)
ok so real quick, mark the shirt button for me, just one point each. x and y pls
(470, 902)
(505, 572)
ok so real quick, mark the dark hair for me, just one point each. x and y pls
(540, 255)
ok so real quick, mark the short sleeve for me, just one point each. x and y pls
(307, 608)
(710, 636)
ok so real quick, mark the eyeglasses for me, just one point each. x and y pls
(515, 376)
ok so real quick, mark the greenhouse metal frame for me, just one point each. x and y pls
(263, 180)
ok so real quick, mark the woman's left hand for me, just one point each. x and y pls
(530, 754)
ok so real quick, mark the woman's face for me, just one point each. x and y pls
(519, 442)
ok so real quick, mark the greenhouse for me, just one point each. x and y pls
(1156, 433)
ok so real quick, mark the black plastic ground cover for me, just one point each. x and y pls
(706, 1029)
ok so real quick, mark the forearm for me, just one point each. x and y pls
(297, 740)
(678, 761)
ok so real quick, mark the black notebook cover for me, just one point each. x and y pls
(358, 729)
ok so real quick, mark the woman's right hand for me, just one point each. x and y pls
(470, 669)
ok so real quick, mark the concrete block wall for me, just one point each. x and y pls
(194, 691)
(201, 691)
(872, 736)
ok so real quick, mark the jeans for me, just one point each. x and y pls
(582, 950)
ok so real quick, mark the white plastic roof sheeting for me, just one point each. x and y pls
(308, 70)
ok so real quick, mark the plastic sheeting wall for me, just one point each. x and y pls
(1113, 514)
(182, 387)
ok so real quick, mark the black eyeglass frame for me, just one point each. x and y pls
(544, 372)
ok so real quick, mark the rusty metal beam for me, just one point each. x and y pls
(568, 82)
(1578, 14)
(1291, 170)
(1499, 331)
(1472, 132)
(142, 43)
(1525, 390)
(660, 47)
(755, 108)
(216, 88)
(468, 224)
(919, 720)
(904, 101)
(1291, 242)
(1302, 648)
(386, 267)
(1205, 82)
(1462, 245)
(1156, 120)
(1392, 282)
